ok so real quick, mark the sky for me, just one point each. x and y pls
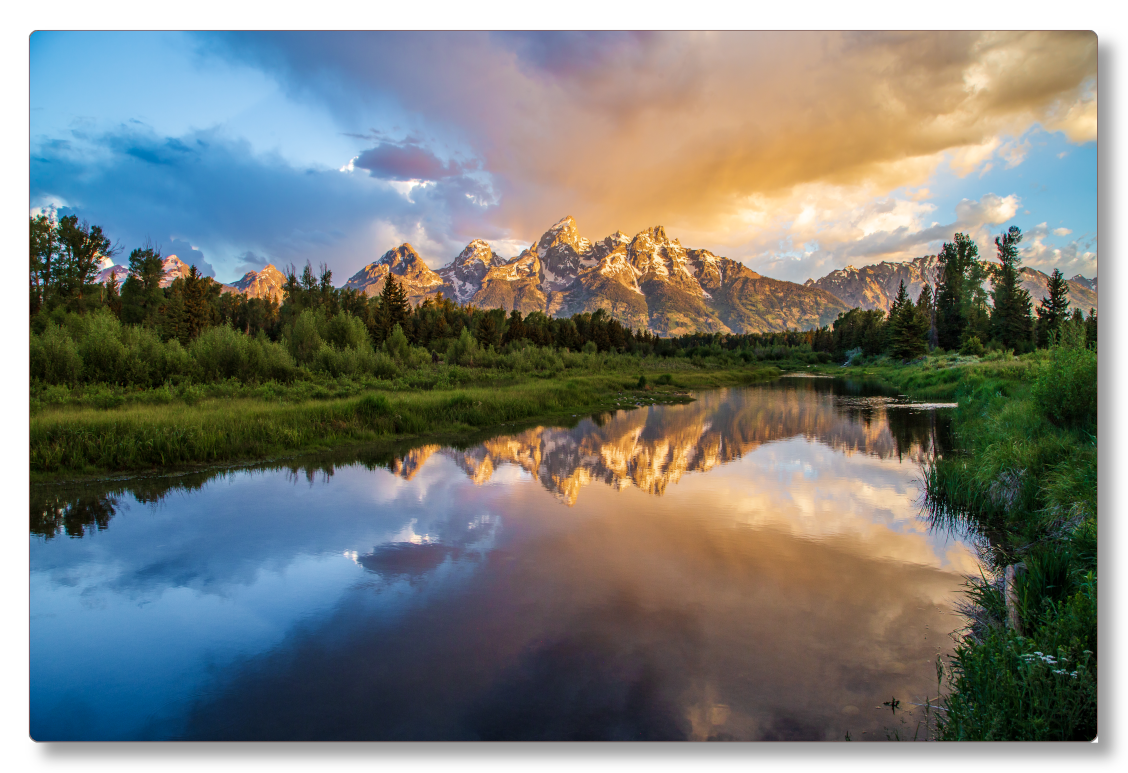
(794, 153)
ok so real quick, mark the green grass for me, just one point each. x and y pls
(160, 431)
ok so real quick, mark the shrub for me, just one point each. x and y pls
(221, 353)
(54, 356)
(397, 344)
(641, 382)
(304, 338)
(664, 380)
(335, 362)
(1066, 386)
(344, 331)
(103, 354)
(151, 362)
(972, 347)
(463, 350)
(383, 366)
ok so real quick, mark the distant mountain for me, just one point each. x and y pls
(267, 283)
(1088, 283)
(418, 280)
(1080, 294)
(174, 268)
(875, 287)
(463, 277)
(121, 272)
(649, 282)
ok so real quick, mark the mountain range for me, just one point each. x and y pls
(647, 281)
(875, 286)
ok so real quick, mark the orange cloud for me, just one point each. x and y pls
(681, 128)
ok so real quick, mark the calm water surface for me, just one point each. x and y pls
(749, 566)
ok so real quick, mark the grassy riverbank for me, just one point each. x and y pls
(1025, 480)
(214, 423)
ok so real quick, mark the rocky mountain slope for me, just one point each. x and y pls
(463, 277)
(875, 287)
(1080, 294)
(418, 280)
(174, 268)
(649, 281)
(1088, 283)
(267, 283)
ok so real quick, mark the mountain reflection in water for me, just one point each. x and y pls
(783, 590)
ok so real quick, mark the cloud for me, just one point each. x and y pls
(781, 149)
(990, 209)
(1062, 232)
(968, 159)
(1078, 256)
(407, 161)
(852, 228)
(624, 131)
(206, 193)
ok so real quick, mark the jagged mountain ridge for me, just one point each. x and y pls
(875, 286)
(1088, 283)
(463, 277)
(418, 280)
(174, 268)
(267, 283)
(1080, 294)
(649, 281)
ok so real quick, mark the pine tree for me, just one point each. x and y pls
(173, 316)
(44, 246)
(197, 313)
(1091, 329)
(113, 295)
(904, 329)
(895, 310)
(487, 330)
(955, 293)
(394, 307)
(1011, 322)
(292, 295)
(81, 250)
(1053, 310)
(927, 310)
(142, 295)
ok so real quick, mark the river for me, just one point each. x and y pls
(753, 565)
